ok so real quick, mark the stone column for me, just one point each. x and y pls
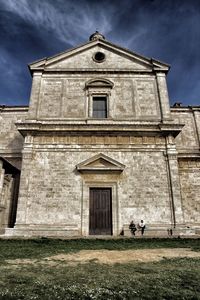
(163, 96)
(174, 183)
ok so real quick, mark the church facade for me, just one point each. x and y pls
(98, 147)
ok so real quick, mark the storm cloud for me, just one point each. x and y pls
(165, 30)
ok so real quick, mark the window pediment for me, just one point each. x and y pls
(98, 83)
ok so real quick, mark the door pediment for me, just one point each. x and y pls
(100, 162)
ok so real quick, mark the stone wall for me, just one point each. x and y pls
(6, 201)
(188, 146)
(11, 145)
(52, 186)
(9, 179)
(11, 140)
(132, 97)
(138, 93)
(189, 170)
(189, 138)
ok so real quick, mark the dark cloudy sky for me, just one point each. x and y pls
(163, 29)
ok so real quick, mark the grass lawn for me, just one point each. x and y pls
(175, 278)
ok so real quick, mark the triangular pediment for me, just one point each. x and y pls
(82, 57)
(100, 162)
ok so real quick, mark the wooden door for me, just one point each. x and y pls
(100, 222)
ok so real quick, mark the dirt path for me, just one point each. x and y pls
(111, 256)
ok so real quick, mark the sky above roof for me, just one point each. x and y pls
(162, 29)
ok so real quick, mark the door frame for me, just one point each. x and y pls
(85, 206)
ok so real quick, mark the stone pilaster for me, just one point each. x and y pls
(196, 114)
(35, 92)
(24, 182)
(174, 182)
(24, 185)
(163, 96)
(2, 172)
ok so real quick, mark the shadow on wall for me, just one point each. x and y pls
(16, 143)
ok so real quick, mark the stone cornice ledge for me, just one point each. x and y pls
(189, 155)
(171, 128)
(34, 127)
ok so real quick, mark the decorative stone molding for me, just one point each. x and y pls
(99, 83)
(99, 140)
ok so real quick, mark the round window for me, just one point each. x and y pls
(99, 57)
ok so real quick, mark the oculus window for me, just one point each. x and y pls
(99, 107)
(99, 57)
